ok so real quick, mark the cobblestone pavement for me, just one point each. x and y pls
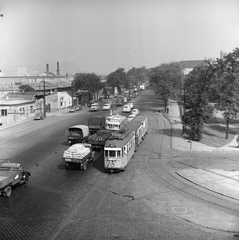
(158, 196)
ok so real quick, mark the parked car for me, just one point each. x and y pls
(72, 109)
(39, 116)
(106, 107)
(78, 108)
(135, 111)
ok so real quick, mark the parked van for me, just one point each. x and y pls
(127, 108)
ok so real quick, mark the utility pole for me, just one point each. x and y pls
(44, 97)
(72, 94)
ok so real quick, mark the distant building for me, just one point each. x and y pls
(16, 107)
(188, 65)
(222, 54)
(21, 71)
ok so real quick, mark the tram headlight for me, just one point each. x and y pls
(112, 164)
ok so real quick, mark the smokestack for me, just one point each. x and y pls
(47, 69)
(58, 69)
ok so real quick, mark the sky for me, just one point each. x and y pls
(104, 35)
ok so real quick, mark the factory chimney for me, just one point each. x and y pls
(47, 69)
(58, 70)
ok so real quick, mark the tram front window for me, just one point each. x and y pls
(112, 153)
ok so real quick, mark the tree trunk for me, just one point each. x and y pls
(165, 104)
(227, 130)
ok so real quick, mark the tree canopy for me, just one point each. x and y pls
(166, 80)
(197, 87)
(117, 78)
(87, 81)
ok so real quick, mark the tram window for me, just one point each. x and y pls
(112, 154)
(118, 153)
(125, 150)
(106, 153)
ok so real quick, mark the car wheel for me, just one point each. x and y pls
(8, 191)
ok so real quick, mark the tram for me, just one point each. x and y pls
(144, 121)
(115, 122)
(137, 127)
(119, 150)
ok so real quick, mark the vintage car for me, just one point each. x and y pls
(11, 174)
(135, 111)
(106, 107)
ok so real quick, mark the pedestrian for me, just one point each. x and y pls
(237, 142)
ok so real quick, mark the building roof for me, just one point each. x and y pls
(20, 96)
(190, 63)
(52, 84)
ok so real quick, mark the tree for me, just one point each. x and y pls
(137, 76)
(117, 78)
(87, 81)
(197, 87)
(26, 88)
(165, 80)
(228, 86)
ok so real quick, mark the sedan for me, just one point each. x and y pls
(106, 107)
(135, 111)
(130, 117)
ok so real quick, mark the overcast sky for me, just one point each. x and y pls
(103, 35)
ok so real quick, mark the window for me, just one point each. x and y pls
(106, 153)
(112, 154)
(118, 153)
(125, 150)
(31, 109)
(4, 112)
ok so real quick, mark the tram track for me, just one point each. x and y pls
(179, 184)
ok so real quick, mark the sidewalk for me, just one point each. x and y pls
(182, 144)
(54, 113)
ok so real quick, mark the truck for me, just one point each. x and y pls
(11, 174)
(98, 139)
(77, 134)
(127, 95)
(78, 156)
(120, 101)
(94, 107)
(96, 123)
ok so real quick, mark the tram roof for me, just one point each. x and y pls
(119, 140)
(139, 118)
(133, 125)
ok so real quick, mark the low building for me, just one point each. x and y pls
(16, 107)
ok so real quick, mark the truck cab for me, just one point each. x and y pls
(94, 107)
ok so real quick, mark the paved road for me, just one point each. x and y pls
(147, 201)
